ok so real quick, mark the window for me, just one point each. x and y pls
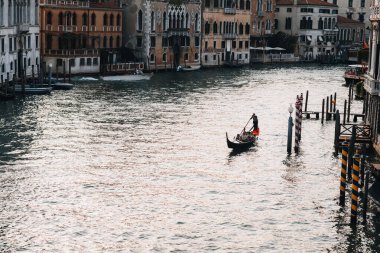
(89, 61)
(197, 41)
(277, 10)
(207, 28)
(139, 42)
(164, 57)
(152, 22)
(140, 21)
(10, 45)
(276, 24)
(93, 19)
(240, 44)
(215, 28)
(196, 56)
(49, 18)
(241, 28)
(2, 45)
(248, 5)
(152, 41)
(111, 20)
(72, 62)
(111, 42)
(320, 24)
(288, 9)
(105, 42)
(350, 3)
(206, 44)
(326, 11)
(288, 23)
(216, 3)
(246, 28)
(214, 44)
(362, 3)
(59, 62)
(234, 44)
(95, 61)
(361, 17)
(186, 57)
(207, 3)
(29, 44)
(60, 18)
(105, 19)
(81, 61)
(246, 44)
(223, 44)
(206, 58)
(334, 11)
(11, 65)
(84, 19)
(118, 20)
(164, 42)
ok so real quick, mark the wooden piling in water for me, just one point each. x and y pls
(334, 101)
(349, 104)
(323, 110)
(343, 174)
(351, 150)
(355, 189)
(345, 110)
(365, 198)
(337, 132)
(327, 109)
(307, 100)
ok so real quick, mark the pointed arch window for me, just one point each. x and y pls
(105, 42)
(248, 5)
(139, 20)
(152, 22)
(187, 21)
(49, 18)
(215, 28)
(111, 42)
(111, 20)
(93, 19)
(164, 21)
(247, 28)
(196, 22)
(310, 23)
(118, 20)
(207, 28)
(241, 5)
(241, 29)
(84, 19)
(60, 18)
(105, 19)
(320, 24)
(74, 18)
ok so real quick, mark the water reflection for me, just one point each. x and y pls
(144, 166)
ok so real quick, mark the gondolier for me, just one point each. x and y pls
(255, 122)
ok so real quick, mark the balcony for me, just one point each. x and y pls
(178, 32)
(229, 10)
(229, 36)
(71, 52)
(67, 28)
(68, 3)
(260, 13)
(23, 28)
(372, 86)
(49, 28)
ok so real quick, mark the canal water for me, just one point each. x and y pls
(144, 167)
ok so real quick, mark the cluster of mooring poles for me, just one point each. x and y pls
(354, 170)
(298, 125)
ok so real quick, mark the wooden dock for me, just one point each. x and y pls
(363, 133)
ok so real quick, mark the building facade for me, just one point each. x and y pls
(313, 21)
(82, 35)
(372, 82)
(226, 29)
(19, 39)
(163, 34)
(263, 21)
(350, 38)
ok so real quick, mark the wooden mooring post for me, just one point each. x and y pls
(323, 110)
(337, 132)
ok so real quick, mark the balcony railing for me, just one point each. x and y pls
(372, 86)
(72, 52)
(230, 10)
(67, 3)
(229, 36)
(67, 28)
(178, 32)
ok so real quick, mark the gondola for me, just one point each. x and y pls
(240, 145)
(245, 139)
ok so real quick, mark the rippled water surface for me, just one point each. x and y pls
(144, 167)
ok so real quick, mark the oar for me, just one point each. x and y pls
(246, 125)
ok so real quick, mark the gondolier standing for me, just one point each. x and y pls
(255, 122)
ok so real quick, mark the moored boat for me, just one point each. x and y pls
(139, 75)
(188, 68)
(355, 73)
(34, 90)
(62, 86)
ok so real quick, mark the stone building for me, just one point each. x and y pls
(163, 34)
(83, 35)
(19, 38)
(226, 32)
(372, 82)
(263, 21)
(313, 21)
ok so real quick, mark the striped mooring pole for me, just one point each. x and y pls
(300, 107)
(298, 126)
(343, 173)
(355, 189)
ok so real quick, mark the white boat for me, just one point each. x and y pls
(36, 90)
(188, 68)
(139, 75)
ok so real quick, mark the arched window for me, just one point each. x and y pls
(187, 20)
(207, 28)
(303, 23)
(68, 18)
(152, 22)
(60, 18)
(140, 21)
(111, 42)
(309, 23)
(196, 22)
(105, 19)
(105, 42)
(118, 41)
(241, 5)
(84, 19)
(333, 23)
(74, 18)
(215, 28)
(49, 18)
(164, 21)
(111, 20)
(182, 21)
(93, 19)
(247, 28)
(241, 28)
(248, 5)
(320, 24)
(325, 23)
(329, 23)
(118, 20)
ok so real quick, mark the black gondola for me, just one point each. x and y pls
(240, 145)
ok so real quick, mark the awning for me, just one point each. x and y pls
(308, 38)
(320, 38)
